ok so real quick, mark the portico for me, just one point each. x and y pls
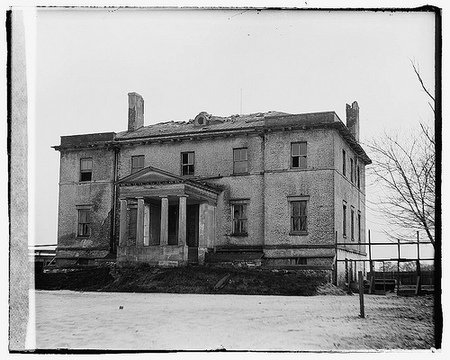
(165, 219)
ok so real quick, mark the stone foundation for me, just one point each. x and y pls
(153, 255)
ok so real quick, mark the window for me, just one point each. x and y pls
(240, 161)
(84, 222)
(137, 163)
(358, 177)
(187, 163)
(298, 155)
(301, 261)
(352, 223)
(86, 169)
(344, 219)
(351, 169)
(239, 213)
(359, 226)
(132, 223)
(298, 216)
(344, 165)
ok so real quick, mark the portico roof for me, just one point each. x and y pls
(151, 182)
(150, 175)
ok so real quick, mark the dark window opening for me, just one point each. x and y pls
(344, 165)
(351, 170)
(83, 261)
(137, 163)
(84, 223)
(86, 169)
(298, 216)
(239, 219)
(298, 155)
(359, 227)
(187, 163)
(301, 261)
(344, 220)
(352, 224)
(358, 177)
(240, 161)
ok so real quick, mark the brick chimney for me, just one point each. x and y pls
(353, 119)
(135, 111)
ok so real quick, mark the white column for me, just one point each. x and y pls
(146, 225)
(182, 221)
(164, 238)
(202, 224)
(140, 222)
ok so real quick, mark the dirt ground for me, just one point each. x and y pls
(154, 321)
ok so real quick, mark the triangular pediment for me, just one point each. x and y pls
(150, 175)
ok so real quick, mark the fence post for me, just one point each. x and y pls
(418, 285)
(361, 294)
(372, 275)
(398, 268)
(347, 276)
(419, 282)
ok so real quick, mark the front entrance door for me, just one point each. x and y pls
(192, 232)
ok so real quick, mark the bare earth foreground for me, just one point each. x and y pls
(154, 321)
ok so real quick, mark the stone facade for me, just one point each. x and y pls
(169, 193)
(74, 195)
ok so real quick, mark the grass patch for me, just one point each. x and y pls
(189, 279)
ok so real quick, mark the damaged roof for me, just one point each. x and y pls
(255, 122)
(214, 123)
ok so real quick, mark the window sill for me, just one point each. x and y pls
(240, 235)
(240, 174)
(298, 233)
(83, 236)
(297, 169)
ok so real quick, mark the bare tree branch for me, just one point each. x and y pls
(405, 169)
(422, 84)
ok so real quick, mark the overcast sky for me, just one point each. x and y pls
(187, 61)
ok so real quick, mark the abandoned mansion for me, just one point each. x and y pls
(271, 189)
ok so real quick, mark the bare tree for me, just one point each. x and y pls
(404, 168)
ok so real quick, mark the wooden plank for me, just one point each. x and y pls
(300, 246)
(388, 243)
(392, 259)
(221, 282)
